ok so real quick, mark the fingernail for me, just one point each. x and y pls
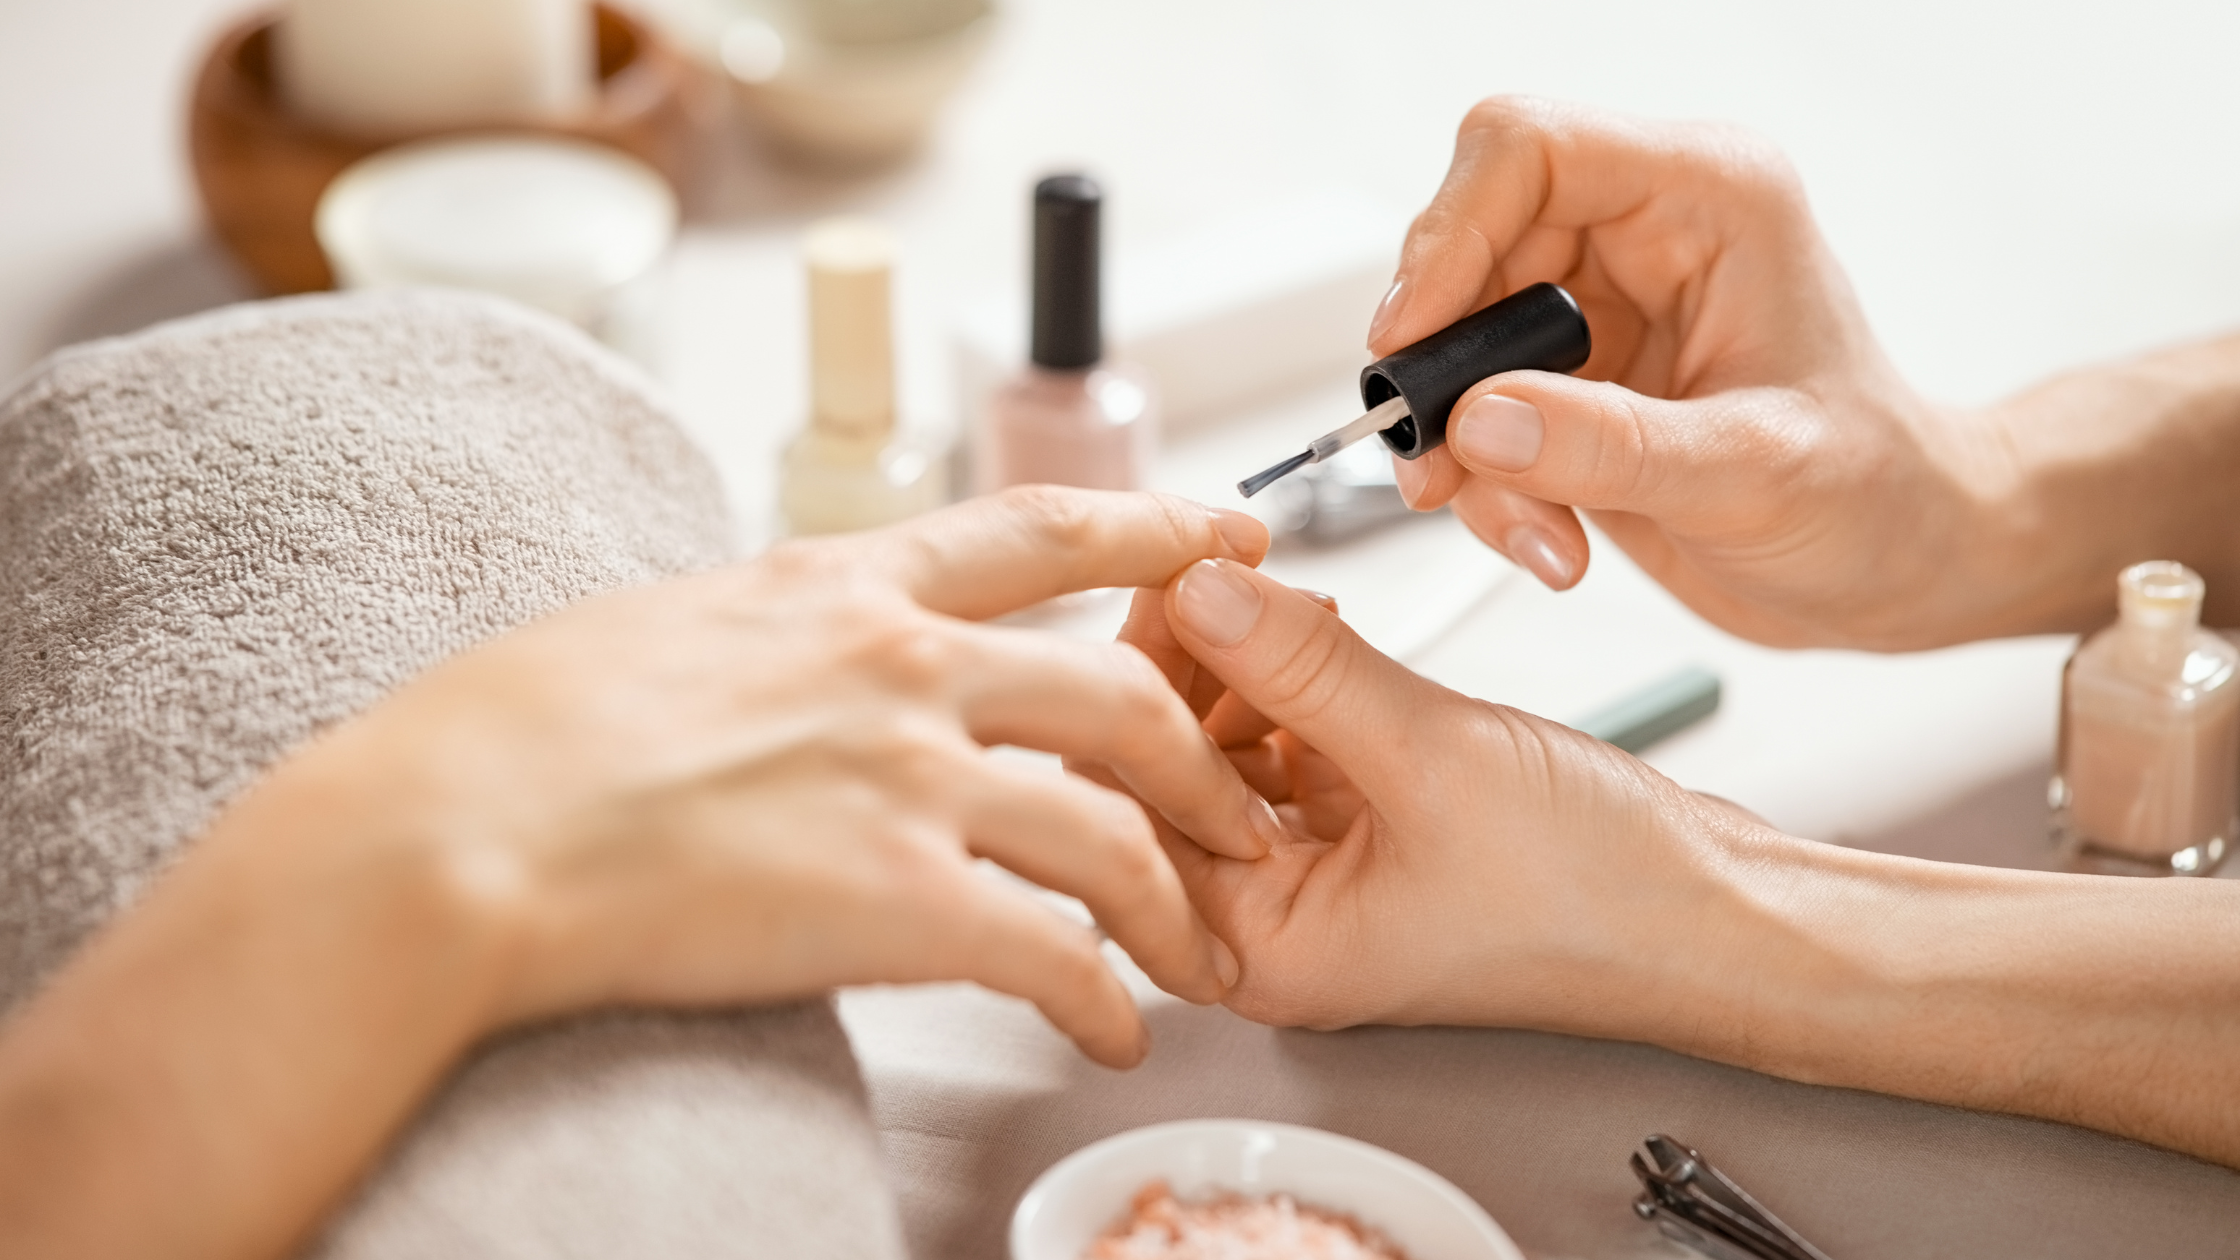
(1500, 432)
(1217, 603)
(1412, 475)
(1143, 1042)
(1265, 824)
(1243, 535)
(1225, 964)
(1328, 603)
(1388, 310)
(1531, 548)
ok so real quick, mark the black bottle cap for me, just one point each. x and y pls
(1067, 331)
(1537, 328)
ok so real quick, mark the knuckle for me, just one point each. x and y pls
(912, 655)
(1061, 516)
(1310, 677)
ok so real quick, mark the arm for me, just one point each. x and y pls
(1452, 861)
(738, 787)
(1742, 435)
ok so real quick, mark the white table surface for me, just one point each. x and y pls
(2015, 189)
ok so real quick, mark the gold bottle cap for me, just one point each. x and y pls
(851, 332)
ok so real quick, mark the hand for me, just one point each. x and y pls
(1737, 430)
(764, 781)
(1447, 860)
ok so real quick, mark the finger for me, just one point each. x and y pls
(1002, 552)
(1106, 702)
(1429, 480)
(1710, 464)
(1026, 950)
(1147, 632)
(1095, 844)
(1234, 723)
(1544, 538)
(1301, 666)
(1527, 176)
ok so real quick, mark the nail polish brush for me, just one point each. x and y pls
(1410, 392)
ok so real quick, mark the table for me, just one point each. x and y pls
(2013, 191)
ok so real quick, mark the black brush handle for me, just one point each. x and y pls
(1537, 328)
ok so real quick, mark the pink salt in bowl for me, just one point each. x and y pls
(1081, 1196)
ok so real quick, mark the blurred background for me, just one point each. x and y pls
(2014, 188)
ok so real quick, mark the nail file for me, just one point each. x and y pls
(1410, 392)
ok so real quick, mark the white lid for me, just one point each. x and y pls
(551, 222)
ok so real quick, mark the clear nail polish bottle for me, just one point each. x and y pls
(1069, 418)
(846, 470)
(2147, 778)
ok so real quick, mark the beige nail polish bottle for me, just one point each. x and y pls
(1071, 417)
(846, 470)
(2147, 777)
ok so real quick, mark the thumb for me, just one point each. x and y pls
(1597, 445)
(1297, 664)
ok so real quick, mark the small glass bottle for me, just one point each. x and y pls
(2147, 776)
(846, 470)
(1069, 418)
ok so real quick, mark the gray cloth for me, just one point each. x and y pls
(224, 534)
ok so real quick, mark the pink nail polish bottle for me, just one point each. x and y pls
(2147, 778)
(1069, 418)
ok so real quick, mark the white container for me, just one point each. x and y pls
(393, 67)
(571, 227)
(1088, 1191)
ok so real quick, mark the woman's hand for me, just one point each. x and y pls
(742, 786)
(1452, 861)
(1446, 860)
(764, 781)
(1737, 430)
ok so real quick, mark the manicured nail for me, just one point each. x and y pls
(1244, 535)
(1388, 310)
(1225, 964)
(1412, 476)
(1500, 432)
(1217, 602)
(1531, 548)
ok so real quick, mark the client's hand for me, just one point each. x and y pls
(1449, 860)
(765, 781)
(1738, 430)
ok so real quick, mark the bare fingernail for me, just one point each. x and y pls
(1412, 476)
(1532, 549)
(1388, 310)
(1217, 603)
(1500, 432)
(1265, 824)
(1328, 603)
(1143, 1042)
(1225, 964)
(1243, 535)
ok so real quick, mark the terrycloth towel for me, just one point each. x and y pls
(221, 535)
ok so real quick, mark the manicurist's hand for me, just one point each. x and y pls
(1737, 430)
(748, 785)
(1453, 861)
(1446, 860)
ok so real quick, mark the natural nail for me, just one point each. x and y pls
(1217, 602)
(1265, 824)
(1412, 476)
(1225, 964)
(1500, 432)
(1328, 603)
(1388, 310)
(1243, 535)
(1532, 549)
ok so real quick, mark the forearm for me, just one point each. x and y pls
(218, 1066)
(2114, 465)
(2104, 1002)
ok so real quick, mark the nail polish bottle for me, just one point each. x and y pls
(1069, 418)
(847, 470)
(2147, 777)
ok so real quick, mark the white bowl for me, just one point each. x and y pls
(1085, 1193)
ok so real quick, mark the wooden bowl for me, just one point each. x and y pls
(260, 169)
